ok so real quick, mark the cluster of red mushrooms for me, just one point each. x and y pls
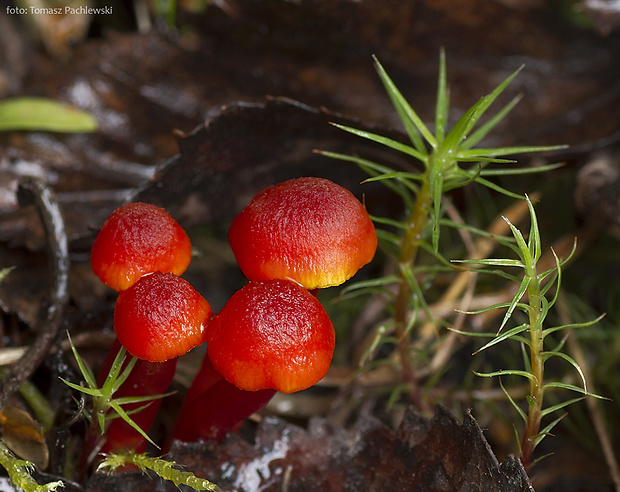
(272, 335)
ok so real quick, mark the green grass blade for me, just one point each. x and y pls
(485, 129)
(86, 371)
(131, 422)
(512, 334)
(396, 224)
(114, 415)
(518, 171)
(513, 403)
(41, 114)
(368, 286)
(399, 175)
(458, 132)
(585, 324)
(443, 100)
(115, 369)
(572, 387)
(515, 301)
(413, 123)
(522, 247)
(82, 389)
(127, 400)
(546, 431)
(503, 262)
(458, 135)
(495, 187)
(557, 278)
(507, 372)
(525, 356)
(389, 240)
(559, 406)
(503, 151)
(122, 377)
(534, 241)
(571, 361)
(402, 188)
(4, 272)
(483, 159)
(388, 142)
(436, 190)
(414, 286)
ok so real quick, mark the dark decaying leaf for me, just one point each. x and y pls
(425, 454)
(247, 147)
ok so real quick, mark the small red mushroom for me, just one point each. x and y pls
(309, 230)
(140, 251)
(160, 317)
(136, 239)
(271, 335)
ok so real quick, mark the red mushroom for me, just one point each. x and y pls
(271, 335)
(160, 317)
(136, 239)
(309, 230)
(139, 251)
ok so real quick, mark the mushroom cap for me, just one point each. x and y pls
(160, 317)
(136, 239)
(271, 334)
(309, 230)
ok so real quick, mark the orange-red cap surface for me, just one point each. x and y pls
(309, 230)
(139, 238)
(271, 334)
(160, 317)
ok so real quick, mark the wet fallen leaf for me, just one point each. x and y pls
(24, 436)
(425, 454)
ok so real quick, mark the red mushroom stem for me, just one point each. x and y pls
(146, 378)
(214, 407)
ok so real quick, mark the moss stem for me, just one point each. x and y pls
(535, 400)
(416, 224)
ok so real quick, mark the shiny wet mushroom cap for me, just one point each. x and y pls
(160, 317)
(309, 230)
(271, 334)
(136, 239)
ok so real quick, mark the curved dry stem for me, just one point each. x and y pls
(36, 190)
